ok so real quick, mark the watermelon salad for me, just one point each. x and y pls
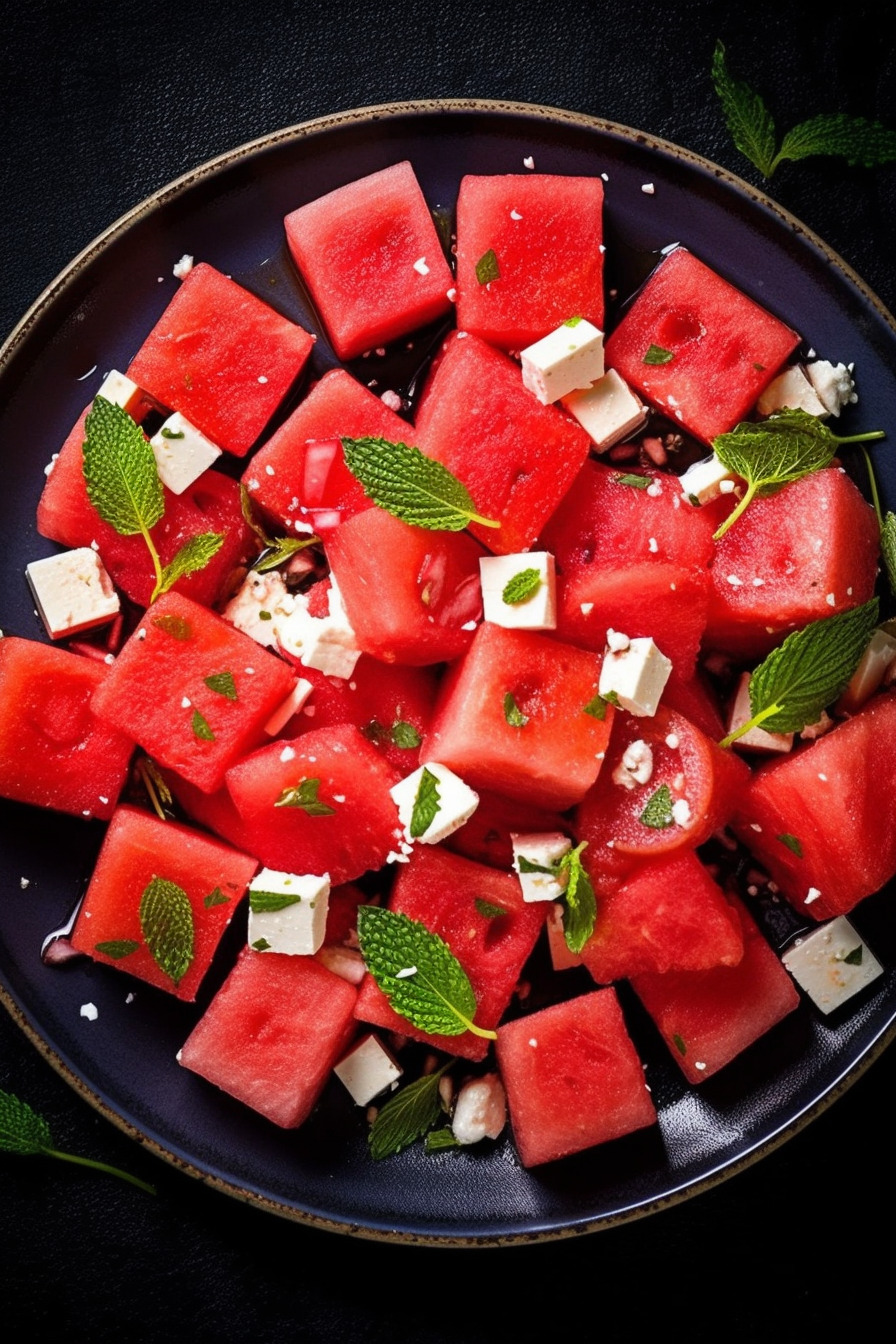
(448, 696)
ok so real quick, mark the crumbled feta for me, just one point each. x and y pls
(636, 675)
(543, 849)
(538, 611)
(617, 642)
(607, 411)
(636, 765)
(833, 383)
(90, 1011)
(182, 453)
(831, 964)
(568, 358)
(181, 269)
(73, 592)
(421, 267)
(291, 705)
(703, 480)
(648, 188)
(681, 811)
(456, 802)
(480, 1111)
(324, 642)
(367, 1070)
(298, 928)
(259, 606)
(791, 389)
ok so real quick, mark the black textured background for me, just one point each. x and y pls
(103, 103)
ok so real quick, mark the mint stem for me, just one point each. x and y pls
(100, 1166)
(755, 722)
(872, 483)
(736, 511)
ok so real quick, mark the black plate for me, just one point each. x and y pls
(96, 314)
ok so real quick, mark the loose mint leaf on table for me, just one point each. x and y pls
(521, 587)
(802, 676)
(426, 804)
(25, 1132)
(579, 902)
(192, 556)
(407, 1116)
(418, 973)
(411, 486)
(440, 1140)
(748, 119)
(304, 796)
(770, 454)
(166, 920)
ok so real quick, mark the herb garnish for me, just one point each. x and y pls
(117, 948)
(411, 486)
(657, 813)
(24, 1131)
(512, 712)
(304, 796)
(860, 142)
(656, 354)
(202, 729)
(630, 478)
(214, 898)
(801, 677)
(854, 958)
(123, 486)
(222, 683)
(404, 734)
(426, 804)
(166, 921)
(487, 268)
(521, 587)
(407, 1116)
(438, 997)
(597, 707)
(487, 909)
(579, 901)
(269, 902)
(277, 550)
(775, 452)
(792, 843)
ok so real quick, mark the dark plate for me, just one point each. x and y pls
(96, 314)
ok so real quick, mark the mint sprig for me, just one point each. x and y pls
(802, 676)
(773, 453)
(419, 974)
(277, 550)
(860, 142)
(25, 1132)
(412, 486)
(304, 796)
(407, 1116)
(123, 485)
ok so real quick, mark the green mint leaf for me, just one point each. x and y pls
(407, 1116)
(405, 735)
(888, 548)
(280, 550)
(679, 1044)
(572, 322)
(864, 144)
(524, 865)
(854, 958)
(440, 1140)
(426, 804)
(166, 920)
(629, 478)
(222, 683)
(772, 453)
(487, 268)
(249, 514)
(579, 901)
(656, 354)
(658, 812)
(201, 728)
(120, 471)
(792, 844)
(260, 945)
(22, 1130)
(597, 707)
(172, 433)
(269, 902)
(304, 796)
(487, 910)
(117, 949)
(521, 587)
(192, 556)
(411, 486)
(746, 115)
(803, 675)
(214, 898)
(175, 626)
(512, 712)
(418, 973)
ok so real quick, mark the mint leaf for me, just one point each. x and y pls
(222, 683)
(862, 143)
(25, 1132)
(521, 587)
(175, 626)
(117, 949)
(792, 844)
(572, 322)
(487, 910)
(166, 920)
(888, 548)
(168, 433)
(854, 958)
(437, 997)
(439, 1140)
(304, 796)
(597, 707)
(524, 865)
(630, 478)
(426, 804)
(260, 945)
(214, 898)
(405, 735)
(192, 556)
(748, 119)
(202, 729)
(411, 486)
(487, 268)
(658, 812)
(579, 901)
(803, 675)
(406, 1116)
(772, 453)
(679, 1044)
(120, 471)
(512, 712)
(656, 354)
(280, 550)
(269, 902)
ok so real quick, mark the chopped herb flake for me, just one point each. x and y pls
(201, 727)
(521, 587)
(655, 354)
(658, 812)
(222, 683)
(512, 712)
(304, 796)
(792, 844)
(487, 268)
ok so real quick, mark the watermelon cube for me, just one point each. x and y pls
(372, 259)
(222, 357)
(572, 1077)
(529, 255)
(54, 752)
(697, 347)
(272, 1033)
(159, 900)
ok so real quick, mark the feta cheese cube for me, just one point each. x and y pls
(288, 912)
(480, 1111)
(541, 849)
(757, 739)
(539, 610)
(568, 358)
(323, 642)
(791, 389)
(636, 675)
(260, 606)
(833, 384)
(875, 663)
(367, 1070)
(705, 480)
(455, 802)
(291, 705)
(182, 453)
(607, 411)
(831, 964)
(72, 591)
(124, 392)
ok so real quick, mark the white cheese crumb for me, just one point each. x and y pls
(24, 882)
(288, 754)
(654, 489)
(451, 294)
(391, 399)
(129, 997)
(406, 973)
(734, 580)
(812, 895)
(617, 642)
(181, 269)
(636, 766)
(648, 188)
(652, 545)
(586, 608)
(186, 702)
(515, 214)
(681, 811)
(672, 741)
(528, 161)
(699, 1064)
(831, 600)
(532, 1040)
(261, 378)
(421, 267)
(90, 1011)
